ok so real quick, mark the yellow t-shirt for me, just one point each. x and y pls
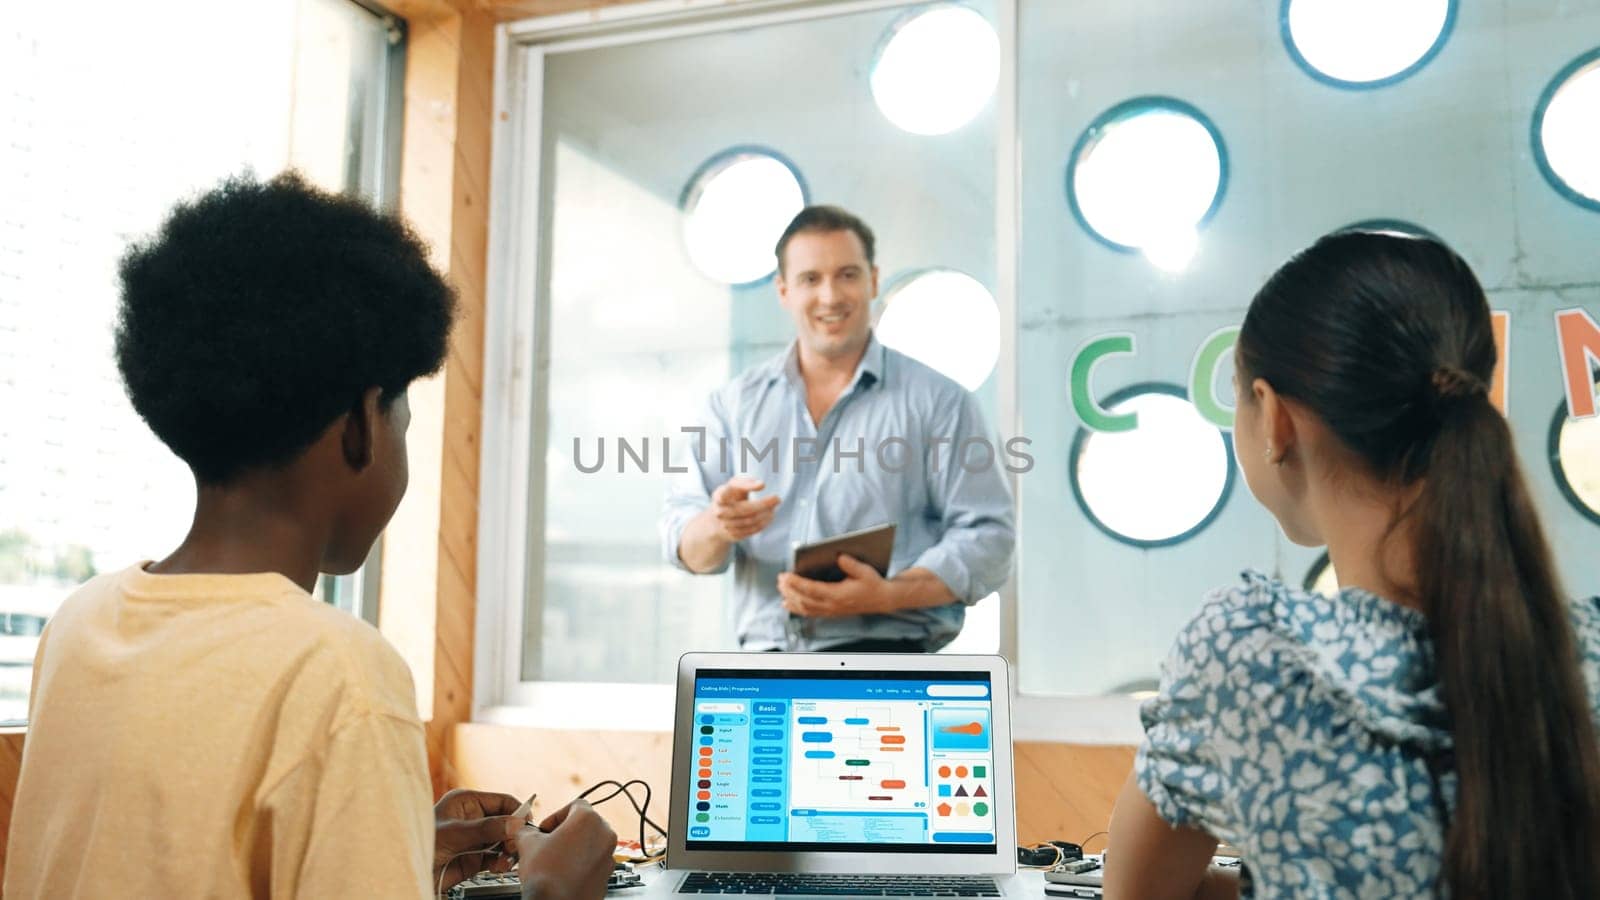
(218, 736)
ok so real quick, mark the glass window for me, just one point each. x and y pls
(937, 69)
(1566, 131)
(735, 209)
(1365, 43)
(638, 332)
(1575, 458)
(1145, 175)
(1160, 482)
(84, 485)
(946, 319)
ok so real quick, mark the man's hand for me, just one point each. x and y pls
(571, 859)
(709, 537)
(862, 592)
(472, 821)
(737, 516)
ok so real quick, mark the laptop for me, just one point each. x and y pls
(842, 775)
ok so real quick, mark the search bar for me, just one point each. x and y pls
(721, 707)
(958, 690)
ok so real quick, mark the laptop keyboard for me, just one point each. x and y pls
(785, 883)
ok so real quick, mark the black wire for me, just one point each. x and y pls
(643, 809)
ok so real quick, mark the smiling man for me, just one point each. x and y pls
(836, 434)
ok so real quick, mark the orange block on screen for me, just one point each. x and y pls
(972, 728)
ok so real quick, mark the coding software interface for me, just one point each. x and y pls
(859, 762)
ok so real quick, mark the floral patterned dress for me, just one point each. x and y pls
(1309, 732)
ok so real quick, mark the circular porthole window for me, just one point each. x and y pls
(1321, 579)
(1364, 43)
(1566, 131)
(1145, 175)
(1575, 459)
(1391, 226)
(735, 208)
(936, 69)
(1162, 482)
(945, 319)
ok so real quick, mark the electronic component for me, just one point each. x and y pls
(485, 885)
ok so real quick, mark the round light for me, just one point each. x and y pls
(945, 319)
(936, 70)
(1364, 43)
(1397, 227)
(1566, 131)
(1322, 579)
(1575, 459)
(735, 209)
(1145, 175)
(1160, 483)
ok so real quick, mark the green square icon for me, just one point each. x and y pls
(980, 771)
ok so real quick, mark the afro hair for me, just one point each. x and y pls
(261, 312)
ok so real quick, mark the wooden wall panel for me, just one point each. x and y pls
(10, 766)
(444, 192)
(506, 10)
(469, 247)
(1064, 791)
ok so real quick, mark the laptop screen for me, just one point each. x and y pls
(857, 761)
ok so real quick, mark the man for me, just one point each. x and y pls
(837, 434)
(200, 726)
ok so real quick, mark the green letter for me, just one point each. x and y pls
(1203, 377)
(1095, 418)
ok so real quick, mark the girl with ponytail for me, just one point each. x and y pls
(1431, 729)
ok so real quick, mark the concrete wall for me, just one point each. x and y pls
(1447, 149)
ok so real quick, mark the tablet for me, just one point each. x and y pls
(820, 561)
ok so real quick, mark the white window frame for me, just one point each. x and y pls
(358, 593)
(510, 497)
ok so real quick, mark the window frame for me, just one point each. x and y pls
(1315, 572)
(903, 279)
(1081, 439)
(1558, 471)
(359, 593)
(1445, 30)
(715, 165)
(1556, 82)
(511, 498)
(1120, 112)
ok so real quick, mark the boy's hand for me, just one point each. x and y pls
(571, 859)
(472, 820)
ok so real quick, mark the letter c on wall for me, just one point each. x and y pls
(1091, 352)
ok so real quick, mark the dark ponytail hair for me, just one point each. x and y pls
(1388, 340)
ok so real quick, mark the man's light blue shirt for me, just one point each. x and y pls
(902, 444)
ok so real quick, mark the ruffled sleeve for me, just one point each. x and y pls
(1191, 726)
(1586, 626)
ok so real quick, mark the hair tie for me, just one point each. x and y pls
(1452, 383)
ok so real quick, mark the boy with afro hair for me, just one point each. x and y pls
(200, 726)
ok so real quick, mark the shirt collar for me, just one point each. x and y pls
(868, 372)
